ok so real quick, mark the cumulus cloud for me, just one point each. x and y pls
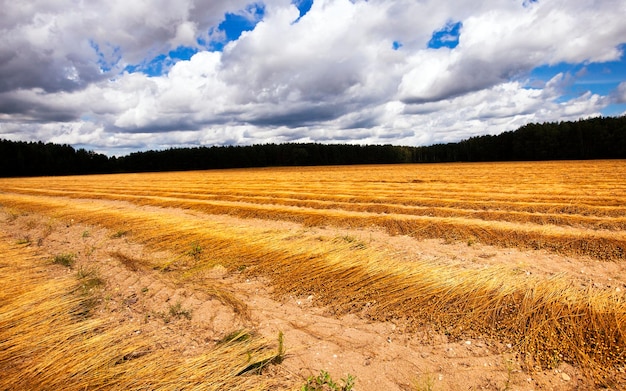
(619, 95)
(344, 71)
(66, 45)
(506, 43)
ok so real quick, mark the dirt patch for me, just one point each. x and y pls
(190, 315)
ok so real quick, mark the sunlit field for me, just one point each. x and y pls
(49, 341)
(571, 209)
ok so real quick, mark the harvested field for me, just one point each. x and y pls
(523, 259)
(574, 208)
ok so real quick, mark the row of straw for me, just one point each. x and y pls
(596, 218)
(548, 320)
(48, 343)
(603, 245)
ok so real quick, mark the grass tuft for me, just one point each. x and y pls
(177, 311)
(119, 234)
(570, 208)
(46, 343)
(324, 382)
(195, 251)
(66, 260)
(89, 279)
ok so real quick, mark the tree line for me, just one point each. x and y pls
(594, 138)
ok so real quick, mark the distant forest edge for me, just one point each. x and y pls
(594, 138)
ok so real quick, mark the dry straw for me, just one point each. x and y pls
(548, 320)
(573, 208)
(48, 343)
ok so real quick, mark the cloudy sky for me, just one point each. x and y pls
(121, 76)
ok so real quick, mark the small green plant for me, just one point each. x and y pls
(119, 234)
(89, 250)
(195, 251)
(177, 310)
(324, 382)
(355, 243)
(86, 234)
(349, 239)
(66, 260)
(48, 229)
(89, 279)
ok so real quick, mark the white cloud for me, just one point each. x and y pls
(501, 44)
(619, 96)
(332, 76)
(186, 34)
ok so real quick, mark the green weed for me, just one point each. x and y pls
(119, 234)
(324, 382)
(89, 279)
(177, 311)
(66, 260)
(355, 243)
(196, 251)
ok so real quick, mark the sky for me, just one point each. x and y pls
(122, 76)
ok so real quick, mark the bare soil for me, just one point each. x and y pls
(382, 355)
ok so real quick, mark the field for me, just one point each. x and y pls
(409, 277)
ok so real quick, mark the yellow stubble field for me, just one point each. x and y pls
(574, 209)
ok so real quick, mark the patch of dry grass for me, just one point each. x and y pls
(547, 320)
(47, 342)
(575, 208)
(556, 206)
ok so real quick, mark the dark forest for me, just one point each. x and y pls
(595, 138)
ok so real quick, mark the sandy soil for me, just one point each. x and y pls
(381, 355)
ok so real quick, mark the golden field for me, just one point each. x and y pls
(574, 210)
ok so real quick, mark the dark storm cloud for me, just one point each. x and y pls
(296, 117)
(33, 111)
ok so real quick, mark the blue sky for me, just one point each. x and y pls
(116, 77)
(447, 36)
(598, 78)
